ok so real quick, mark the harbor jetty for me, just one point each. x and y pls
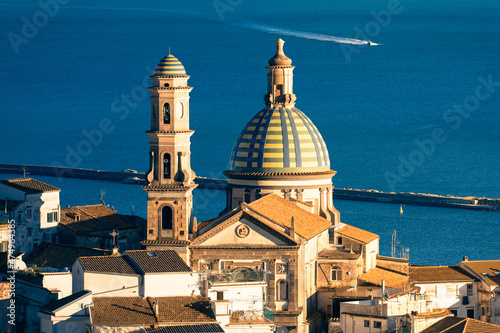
(129, 176)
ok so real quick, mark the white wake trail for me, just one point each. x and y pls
(295, 33)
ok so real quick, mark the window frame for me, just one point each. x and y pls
(377, 324)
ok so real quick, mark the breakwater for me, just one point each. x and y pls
(133, 177)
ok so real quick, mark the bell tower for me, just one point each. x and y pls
(170, 178)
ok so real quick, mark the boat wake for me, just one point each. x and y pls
(295, 33)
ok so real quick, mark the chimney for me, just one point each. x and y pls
(157, 310)
(114, 251)
(292, 228)
(195, 227)
(466, 259)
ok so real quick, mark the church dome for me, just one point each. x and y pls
(170, 65)
(280, 140)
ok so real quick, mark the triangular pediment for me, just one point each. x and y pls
(240, 229)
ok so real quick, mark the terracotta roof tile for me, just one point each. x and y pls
(109, 264)
(158, 261)
(29, 185)
(92, 218)
(392, 279)
(140, 311)
(357, 234)
(489, 270)
(202, 328)
(281, 211)
(422, 274)
(461, 325)
(60, 255)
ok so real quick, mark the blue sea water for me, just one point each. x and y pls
(88, 65)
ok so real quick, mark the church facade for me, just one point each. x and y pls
(279, 231)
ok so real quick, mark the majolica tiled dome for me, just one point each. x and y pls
(280, 139)
(169, 65)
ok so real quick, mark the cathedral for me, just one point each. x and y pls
(279, 225)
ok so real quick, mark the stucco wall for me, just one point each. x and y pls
(171, 284)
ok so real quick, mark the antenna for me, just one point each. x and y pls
(102, 197)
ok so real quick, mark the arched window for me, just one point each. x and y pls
(282, 288)
(166, 166)
(166, 218)
(166, 113)
(336, 273)
(154, 110)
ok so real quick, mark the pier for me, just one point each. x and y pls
(133, 177)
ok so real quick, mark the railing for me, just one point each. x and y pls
(265, 316)
(236, 275)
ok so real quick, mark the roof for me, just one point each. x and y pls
(392, 279)
(29, 185)
(158, 261)
(337, 254)
(169, 65)
(423, 274)
(60, 255)
(461, 325)
(56, 305)
(489, 270)
(95, 218)
(109, 264)
(204, 328)
(281, 211)
(140, 311)
(360, 235)
(280, 139)
(11, 204)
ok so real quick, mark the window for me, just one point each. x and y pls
(19, 216)
(282, 288)
(336, 273)
(166, 113)
(377, 324)
(166, 218)
(29, 212)
(451, 290)
(52, 216)
(470, 313)
(166, 166)
(30, 232)
(470, 290)
(367, 323)
(454, 311)
(220, 295)
(339, 240)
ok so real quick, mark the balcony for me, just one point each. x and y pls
(237, 275)
(252, 317)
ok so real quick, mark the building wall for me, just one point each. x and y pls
(29, 299)
(355, 324)
(450, 295)
(33, 230)
(171, 284)
(62, 281)
(106, 283)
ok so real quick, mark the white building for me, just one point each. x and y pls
(448, 287)
(136, 273)
(390, 315)
(36, 213)
(488, 273)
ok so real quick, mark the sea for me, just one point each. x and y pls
(417, 111)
